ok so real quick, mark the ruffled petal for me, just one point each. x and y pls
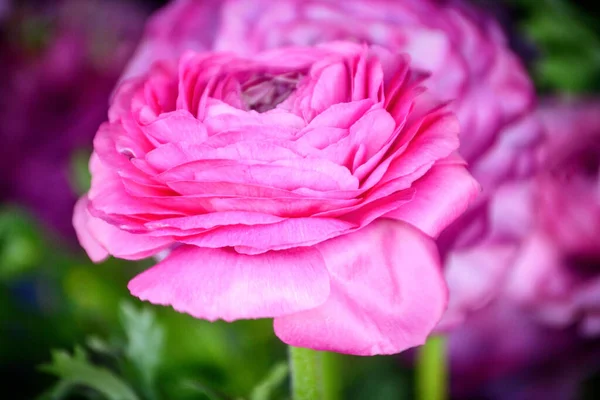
(387, 293)
(100, 238)
(223, 284)
(81, 217)
(443, 194)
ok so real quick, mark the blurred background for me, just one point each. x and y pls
(70, 330)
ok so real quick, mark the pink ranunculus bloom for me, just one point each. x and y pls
(470, 64)
(464, 50)
(301, 183)
(557, 273)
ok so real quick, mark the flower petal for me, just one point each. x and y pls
(223, 284)
(443, 194)
(387, 293)
(100, 238)
(81, 217)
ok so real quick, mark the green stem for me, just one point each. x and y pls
(432, 370)
(313, 374)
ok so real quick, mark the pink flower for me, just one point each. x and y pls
(492, 234)
(557, 273)
(462, 48)
(537, 276)
(295, 183)
(531, 287)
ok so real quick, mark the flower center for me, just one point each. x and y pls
(265, 91)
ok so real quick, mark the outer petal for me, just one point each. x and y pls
(100, 238)
(222, 284)
(443, 194)
(81, 218)
(387, 293)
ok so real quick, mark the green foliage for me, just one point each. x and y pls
(135, 363)
(145, 343)
(569, 45)
(275, 378)
(20, 240)
(135, 360)
(76, 370)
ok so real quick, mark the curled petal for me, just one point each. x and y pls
(100, 238)
(81, 218)
(387, 293)
(223, 284)
(443, 194)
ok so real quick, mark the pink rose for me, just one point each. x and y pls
(295, 183)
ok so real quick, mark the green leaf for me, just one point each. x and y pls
(275, 378)
(99, 346)
(76, 370)
(145, 342)
(199, 389)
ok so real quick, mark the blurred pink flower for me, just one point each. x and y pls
(294, 183)
(477, 270)
(557, 273)
(59, 61)
(537, 278)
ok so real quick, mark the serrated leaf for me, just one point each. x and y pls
(145, 342)
(76, 370)
(101, 347)
(276, 376)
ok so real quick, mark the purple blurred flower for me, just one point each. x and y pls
(59, 61)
